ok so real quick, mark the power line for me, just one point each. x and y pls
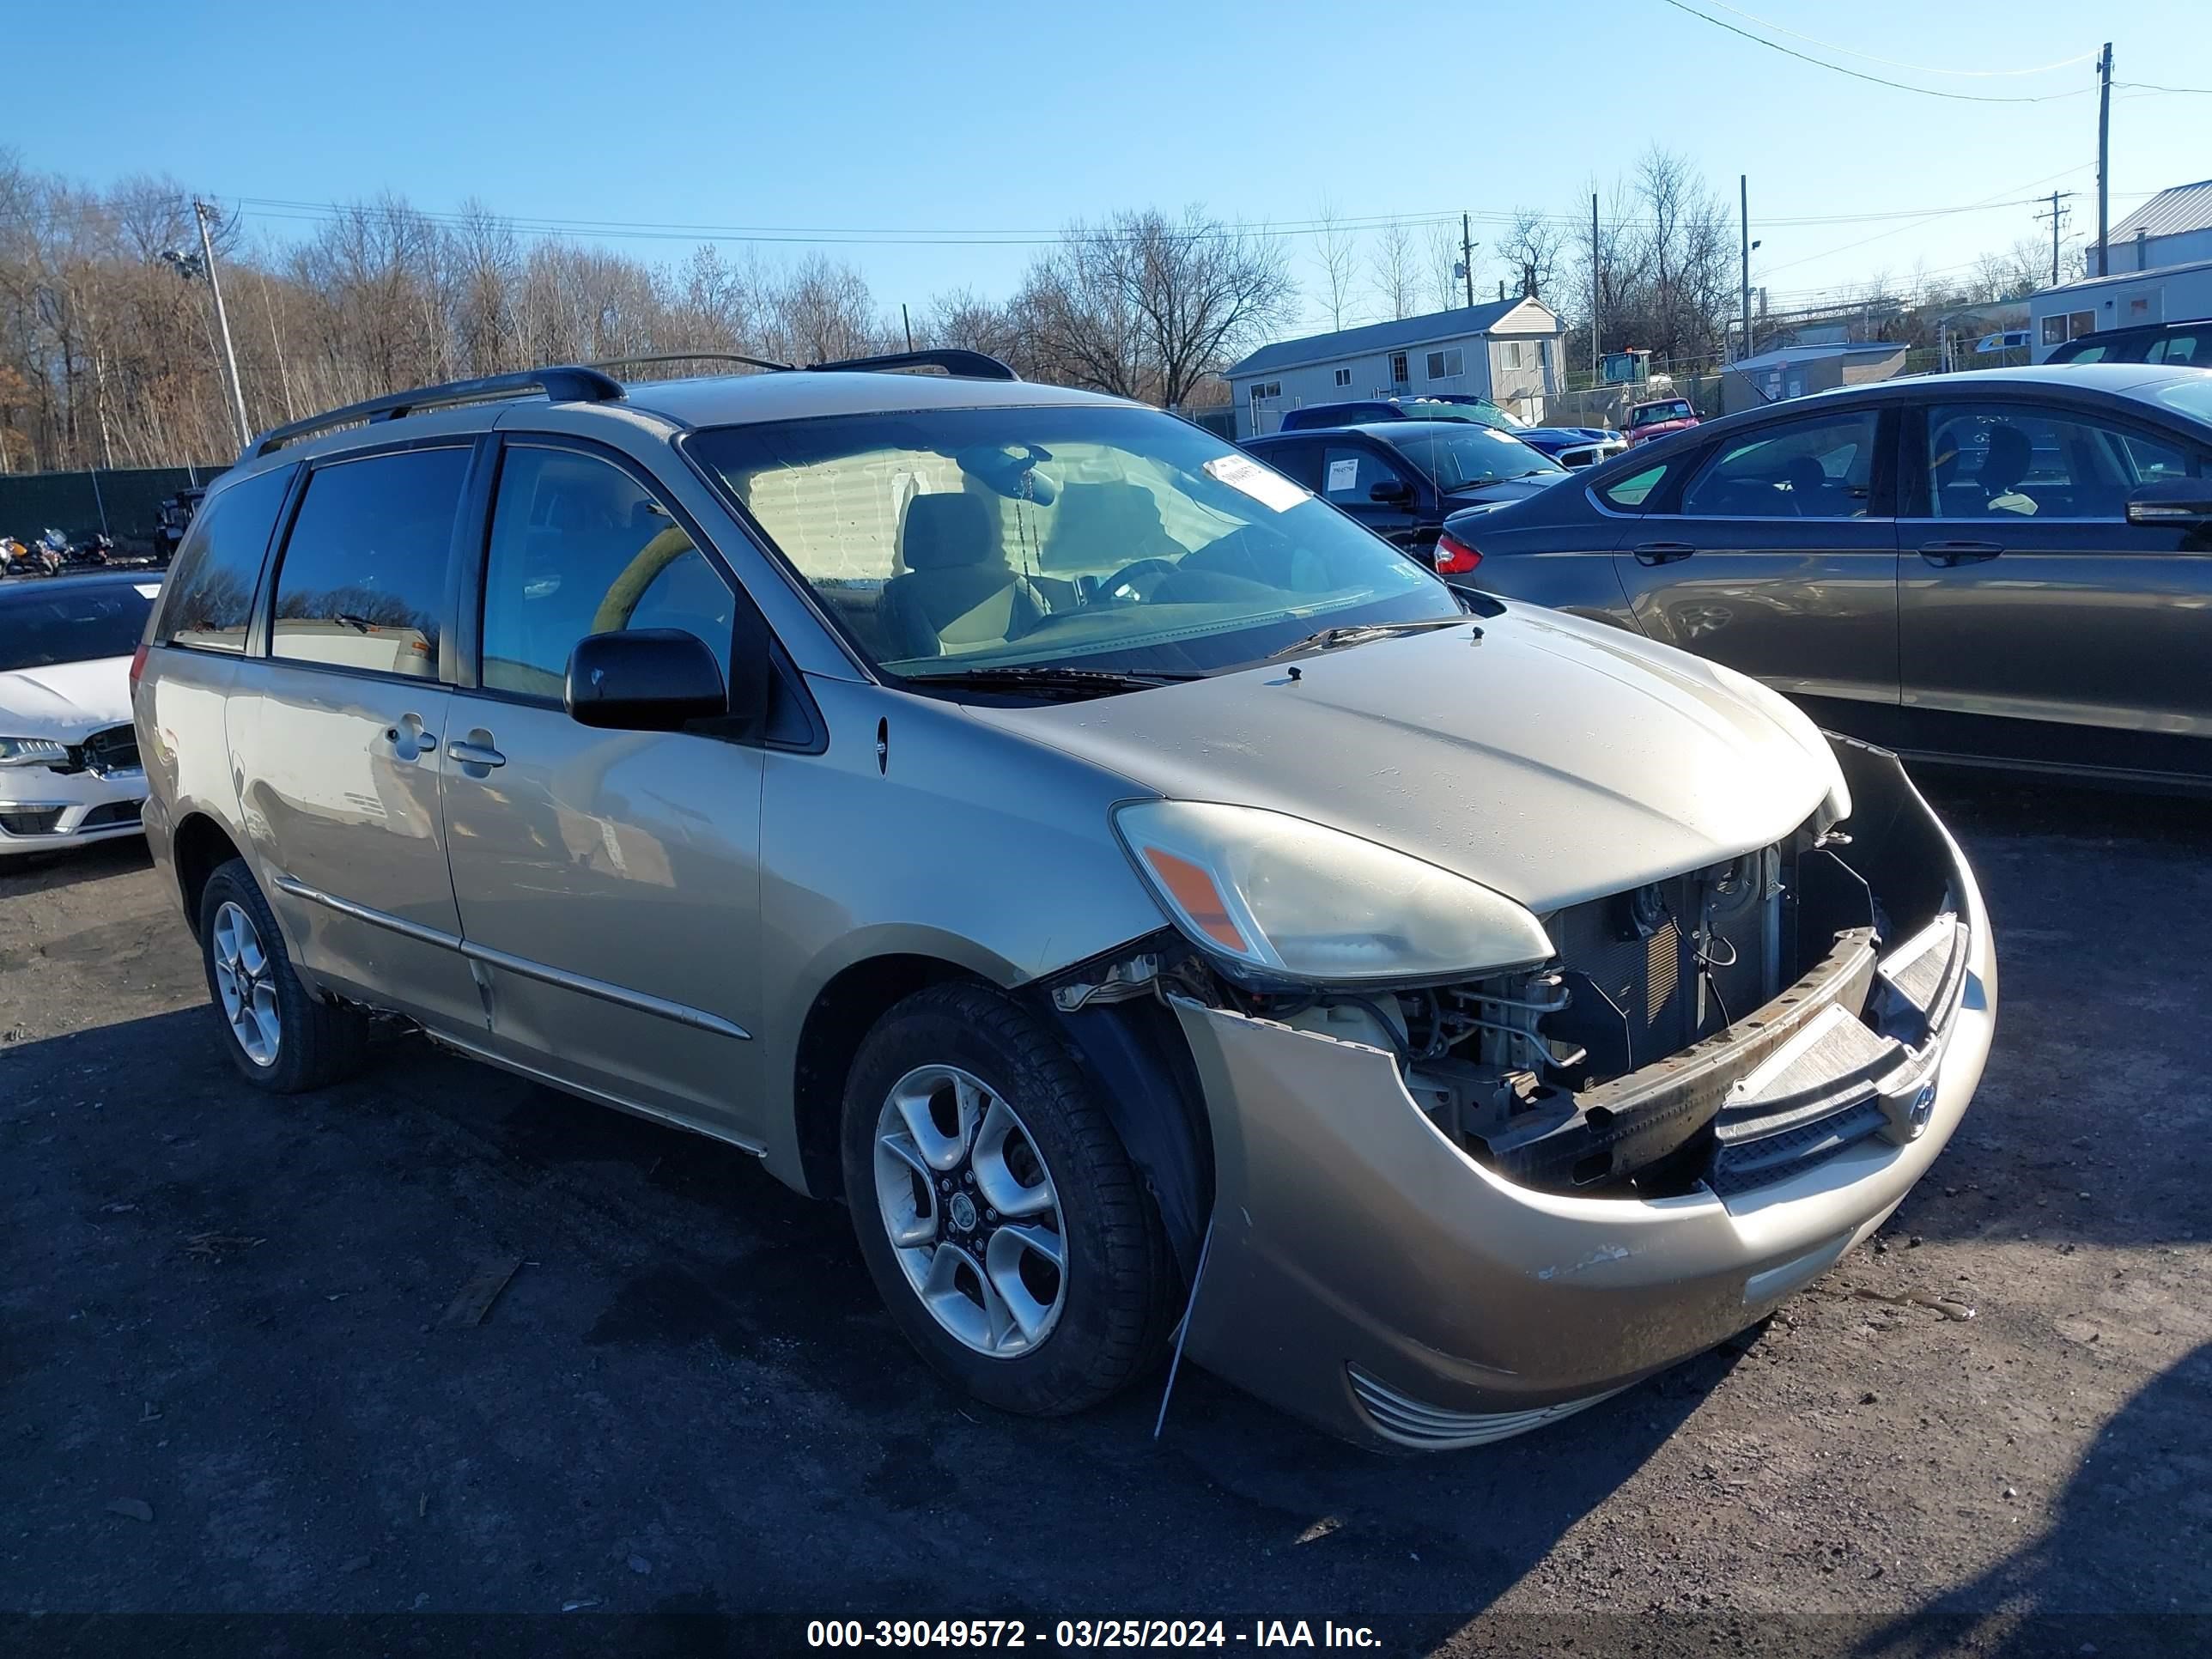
(284, 209)
(1877, 80)
(1846, 247)
(1892, 63)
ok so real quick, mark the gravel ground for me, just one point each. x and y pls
(225, 1388)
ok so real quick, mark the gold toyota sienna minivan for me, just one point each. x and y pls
(1162, 912)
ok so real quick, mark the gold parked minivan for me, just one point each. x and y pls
(1165, 912)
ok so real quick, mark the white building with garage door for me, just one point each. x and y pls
(1508, 351)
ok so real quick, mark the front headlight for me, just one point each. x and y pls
(1275, 897)
(32, 751)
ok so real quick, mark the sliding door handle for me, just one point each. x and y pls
(468, 751)
(1662, 552)
(1947, 553)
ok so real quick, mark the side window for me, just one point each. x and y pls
(1990, 461)
(1630, 494)
(362, 580)
(579, 547)
(2187, 350)
(1300, 461)
(1349, 472)
(209, 596)
(1807, 469)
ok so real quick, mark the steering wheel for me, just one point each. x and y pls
(1125, 585)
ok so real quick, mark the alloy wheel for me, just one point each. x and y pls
(245, 979)
(970, 1211)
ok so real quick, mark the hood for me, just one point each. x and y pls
(1566, 437)
(66, 701)
(1508, 489)
(1555, 761)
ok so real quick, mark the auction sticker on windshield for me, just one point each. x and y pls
(1264, 485)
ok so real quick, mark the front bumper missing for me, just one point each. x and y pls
(1366, 1273)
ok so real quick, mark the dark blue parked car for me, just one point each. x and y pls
(1572, 447)
(1400, 478)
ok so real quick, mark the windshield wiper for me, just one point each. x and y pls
(1359, 633)
(1047, 677)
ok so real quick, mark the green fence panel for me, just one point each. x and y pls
(124, 502)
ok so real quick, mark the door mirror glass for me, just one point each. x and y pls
(2172, 501)
(1391, 492)
(644, 679)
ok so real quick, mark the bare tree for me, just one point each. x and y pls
(1147, 306)
(1439, 266)
(1534, 251)
(1336, 250)
(1394, 269)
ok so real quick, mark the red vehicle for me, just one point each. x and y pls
(1658, 419)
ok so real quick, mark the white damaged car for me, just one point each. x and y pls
(69, 759)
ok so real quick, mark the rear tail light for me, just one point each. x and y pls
(138, 665)
(1453, 556)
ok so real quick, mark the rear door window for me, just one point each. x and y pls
(1807, 469)
(209, 596)
(1299, 461)
(362, 581)
(579, 547)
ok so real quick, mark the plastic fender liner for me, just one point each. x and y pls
(1136, 1053)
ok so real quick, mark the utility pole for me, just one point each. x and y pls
(1595, 289)
(2104, 154)
(2058, 216)
(1466, 257)
(905, 322)
(200, 211)
(1743, 218)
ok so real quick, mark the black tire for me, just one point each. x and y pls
(318, 1042)
(1120, 1293)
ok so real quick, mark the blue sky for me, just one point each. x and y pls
(955, 121)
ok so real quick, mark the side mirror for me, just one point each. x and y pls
(1391, 492)
(645, 679)
(2171, 503)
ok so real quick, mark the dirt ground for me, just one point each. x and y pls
(225, 1388)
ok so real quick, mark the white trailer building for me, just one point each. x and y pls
(1508, 351)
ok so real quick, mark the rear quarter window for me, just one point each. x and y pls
(1629, 494)
(209, 596)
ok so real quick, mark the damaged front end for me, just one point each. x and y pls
(1447, 1211)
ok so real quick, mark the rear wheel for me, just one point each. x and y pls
(277, 1034)
(999, 1215)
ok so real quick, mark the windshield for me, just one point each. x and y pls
(1489, 414)
(1467, 457)
(1651, 412)
(1105, 538)
(44, 626)
(2192, 395)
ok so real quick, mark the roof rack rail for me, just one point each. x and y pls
(574, 383)
(691, 357)
(956, 361)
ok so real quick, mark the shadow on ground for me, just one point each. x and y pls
(229, 1307)
(2133, 1531)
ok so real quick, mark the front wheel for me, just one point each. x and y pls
(999, 1213)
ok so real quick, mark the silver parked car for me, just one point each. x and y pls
(1150, 901)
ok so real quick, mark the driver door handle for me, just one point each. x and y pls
(1947, 553)
(1662, 552)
